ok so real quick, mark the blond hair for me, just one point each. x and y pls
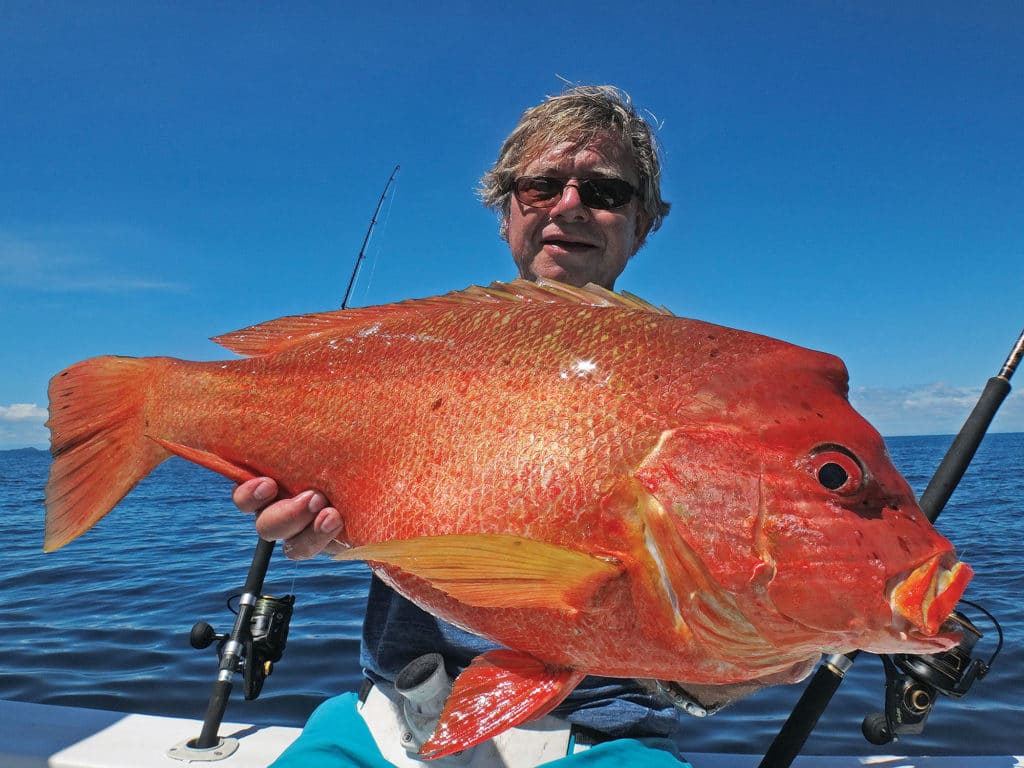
(579, 115)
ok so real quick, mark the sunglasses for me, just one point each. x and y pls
(605, 194)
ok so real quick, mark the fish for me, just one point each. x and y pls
(596, 485)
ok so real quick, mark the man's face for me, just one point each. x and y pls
(570, 242)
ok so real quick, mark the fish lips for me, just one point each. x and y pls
(925, 596)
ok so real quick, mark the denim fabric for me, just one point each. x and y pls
(395, 632)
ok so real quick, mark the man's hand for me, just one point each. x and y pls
(307, 523)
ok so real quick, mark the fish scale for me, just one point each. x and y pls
(597, 485)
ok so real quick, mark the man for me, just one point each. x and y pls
(577, 189)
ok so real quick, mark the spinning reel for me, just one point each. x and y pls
(912, 683)
(267, 636)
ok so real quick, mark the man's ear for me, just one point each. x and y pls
(643, 226)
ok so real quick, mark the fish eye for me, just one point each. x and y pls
(832, 475)
(837, 469)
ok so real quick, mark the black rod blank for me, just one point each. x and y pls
(960, 453)
(234, 648)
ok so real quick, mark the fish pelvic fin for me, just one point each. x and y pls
(283, 333)
(497, 570)
(100, 452)
(498, 690)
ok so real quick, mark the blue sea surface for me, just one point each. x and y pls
(105, 621)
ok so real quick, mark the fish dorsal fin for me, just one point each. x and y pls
(285, 332)
(547, 291)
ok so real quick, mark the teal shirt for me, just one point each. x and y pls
(337, 737)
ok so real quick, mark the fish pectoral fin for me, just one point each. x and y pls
(476, 711)
(496, 570)
(206, 459)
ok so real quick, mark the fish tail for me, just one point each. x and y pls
(97, 439)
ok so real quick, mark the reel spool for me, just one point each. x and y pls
(913, 682)
(268, 630)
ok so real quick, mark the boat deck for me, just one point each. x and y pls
(47, 736)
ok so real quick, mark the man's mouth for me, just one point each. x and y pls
(567, 246)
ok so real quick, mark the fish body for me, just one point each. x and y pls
(597, 485)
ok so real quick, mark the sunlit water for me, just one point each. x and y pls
(105, 621)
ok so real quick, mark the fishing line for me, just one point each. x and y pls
(295, 576)
(379, 246)
(366, 239)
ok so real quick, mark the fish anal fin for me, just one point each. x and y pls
(498, 690)
(496, 570)
(211, 461)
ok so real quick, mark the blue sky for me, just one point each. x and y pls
(844, 175)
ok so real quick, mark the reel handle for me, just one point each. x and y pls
(203, 635)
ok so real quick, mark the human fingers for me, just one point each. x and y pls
(319, 536)
(286, 517)
(253, 495)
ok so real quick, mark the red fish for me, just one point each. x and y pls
(597, 485)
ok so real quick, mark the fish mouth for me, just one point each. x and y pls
(928, 594)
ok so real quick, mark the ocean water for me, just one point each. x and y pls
(105, 622)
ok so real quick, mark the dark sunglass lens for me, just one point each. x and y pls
(546, 191)
(606, 193)
(537, 190)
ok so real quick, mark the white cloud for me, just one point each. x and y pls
(22, 412)
(21, 426)
(931, 409)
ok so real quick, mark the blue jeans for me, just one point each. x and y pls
(336, 736)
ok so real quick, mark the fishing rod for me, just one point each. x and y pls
(961, 452)
(369, 231)
(254, 644)
(947, 679)
(257, 639)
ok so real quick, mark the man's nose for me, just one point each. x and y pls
(569, 205)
